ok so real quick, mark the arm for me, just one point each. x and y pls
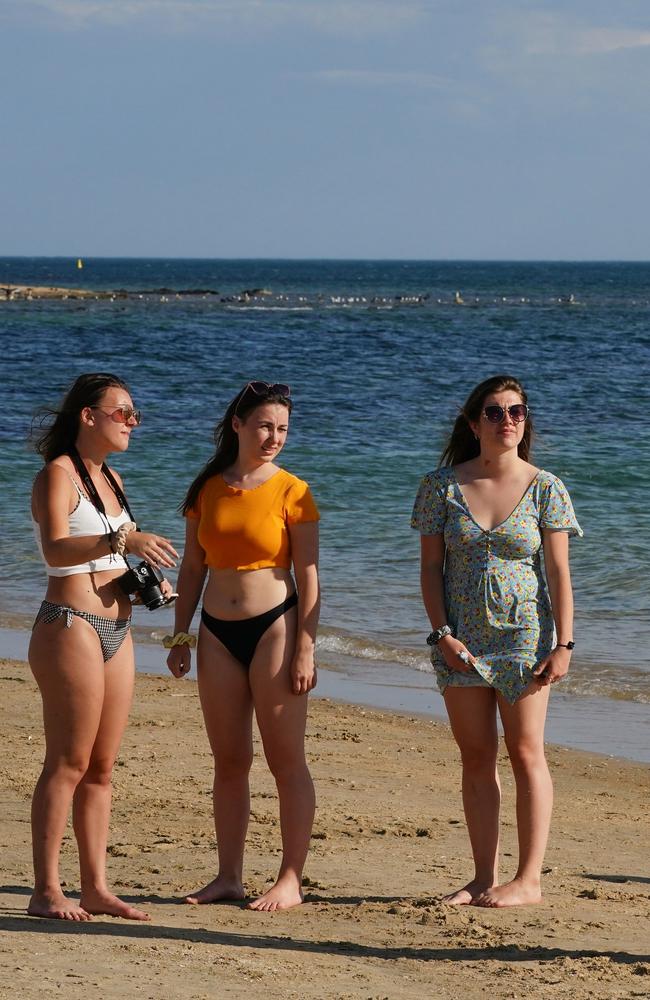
(304, 550)
(432, 561)
(556, 561)
(190, 586)
(53, 498)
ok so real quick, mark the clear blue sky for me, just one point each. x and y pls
(319, 128)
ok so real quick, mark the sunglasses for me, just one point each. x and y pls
(122, 414)
(497, 414)
(263, 389)
(268, 388)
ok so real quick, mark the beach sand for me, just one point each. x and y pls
(389, 840)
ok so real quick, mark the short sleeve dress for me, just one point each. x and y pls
(495, 591)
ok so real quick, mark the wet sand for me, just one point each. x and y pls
(389, 840)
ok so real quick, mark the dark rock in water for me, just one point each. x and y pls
(254, 293)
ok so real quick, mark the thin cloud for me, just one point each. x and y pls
(556, 38)
(378, 78)
(331, 16)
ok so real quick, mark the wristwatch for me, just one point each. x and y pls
(566, 645)
(434, 637)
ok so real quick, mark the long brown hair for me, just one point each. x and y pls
(226, 440)
(59, 428)
(462, 444)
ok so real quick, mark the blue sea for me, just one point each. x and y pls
(380, 355)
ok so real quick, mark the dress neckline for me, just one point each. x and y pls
(240, 489)
(488, 531)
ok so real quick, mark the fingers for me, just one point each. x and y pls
(154, 549)
(179, 661)
(304, 684)
(463, 661)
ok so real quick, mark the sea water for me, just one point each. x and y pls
(380, 355)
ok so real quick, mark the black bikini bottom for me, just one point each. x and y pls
(240, 637)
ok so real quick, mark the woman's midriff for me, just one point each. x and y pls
(96, 593)
(235, 594)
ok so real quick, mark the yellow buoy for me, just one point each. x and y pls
(80, 263)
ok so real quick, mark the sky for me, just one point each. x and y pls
(414, 129)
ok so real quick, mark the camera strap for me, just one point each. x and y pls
(91, 489)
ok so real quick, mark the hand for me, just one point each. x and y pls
(451, 647)
(303, 674)
(553, 667)
(179, 661)
(167, 589)
(153, 549)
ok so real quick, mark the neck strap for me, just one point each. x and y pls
(90, 487)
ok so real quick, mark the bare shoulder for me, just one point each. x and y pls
(52, 485)
(55, 475)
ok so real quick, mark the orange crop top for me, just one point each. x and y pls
(248, 529)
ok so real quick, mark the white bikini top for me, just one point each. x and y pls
(85, 519)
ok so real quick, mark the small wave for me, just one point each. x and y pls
(586, 679)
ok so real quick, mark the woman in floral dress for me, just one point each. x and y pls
(502, 624)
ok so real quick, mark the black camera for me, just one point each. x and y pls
(144, 580)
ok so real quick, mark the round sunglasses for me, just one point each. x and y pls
(122, 414)
(497, 414)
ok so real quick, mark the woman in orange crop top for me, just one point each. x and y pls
(81, 652)
(247, 523)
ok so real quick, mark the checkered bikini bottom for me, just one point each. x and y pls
(111, 631)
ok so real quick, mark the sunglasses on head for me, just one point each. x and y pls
(268, 388)
(122, 414)
(263, 389)
(497, 414)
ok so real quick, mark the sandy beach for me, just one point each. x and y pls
(389, 840)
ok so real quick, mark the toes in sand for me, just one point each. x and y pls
(468, 895)
(515, 893)
(220, 890)
(106, 904)
(281, 896)
(56, 906)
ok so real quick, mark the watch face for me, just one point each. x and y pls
(570, 645)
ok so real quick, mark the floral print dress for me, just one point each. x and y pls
(495, 592)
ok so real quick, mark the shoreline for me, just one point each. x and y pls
(619, 730)
(388, 841)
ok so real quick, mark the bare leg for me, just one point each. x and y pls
(472, 714)
(523, 725)
(282, 718)
(91, 805)
(69, 670)
(228, 712)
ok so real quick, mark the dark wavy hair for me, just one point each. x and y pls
(462, 444)
(58, 429)
(226, 440)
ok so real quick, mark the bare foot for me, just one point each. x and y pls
(466, 896)
(220, 890)
(515, 893)
(56, 906)
(106, 903)
(282, 896)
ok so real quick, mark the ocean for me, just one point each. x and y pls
(379, 355)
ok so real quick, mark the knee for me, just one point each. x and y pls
(69, 770)
(233, 765)
(526, 755)
(288, 768)
(479, 761)
(99, 771)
